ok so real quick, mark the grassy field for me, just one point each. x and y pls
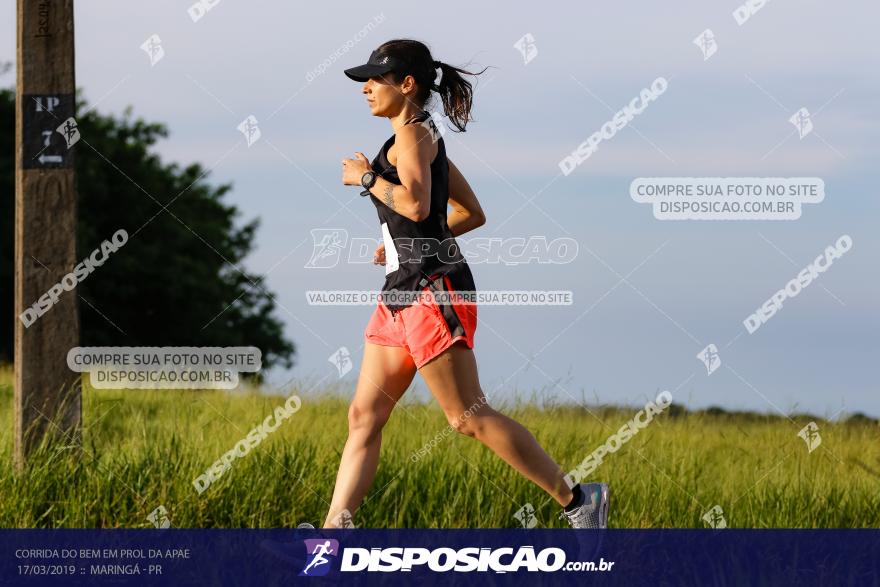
(141, 450)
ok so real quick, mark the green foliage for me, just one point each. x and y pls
(179, 280)
(143, 449)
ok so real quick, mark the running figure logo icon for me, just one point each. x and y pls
(250, 129)
(153, 47)
(527, 47)
(706, 43)
(318, 549)
(710, 358)
(714, 518)
(70, 131)
(526, 516)
(342, 360)
(327, 246)
(810, 434)
(802, 122)
(434, 125)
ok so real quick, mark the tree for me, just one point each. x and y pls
(178, 281)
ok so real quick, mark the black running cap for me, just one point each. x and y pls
(375, 66)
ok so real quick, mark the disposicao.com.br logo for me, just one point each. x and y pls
(441, 560)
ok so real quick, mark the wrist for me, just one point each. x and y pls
(368, 180)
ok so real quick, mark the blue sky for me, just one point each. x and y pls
(694, 282)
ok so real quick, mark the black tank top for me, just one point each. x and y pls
(407, 268)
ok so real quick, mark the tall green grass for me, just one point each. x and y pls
(142, 449)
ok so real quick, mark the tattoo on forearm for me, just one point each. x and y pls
(389, 196)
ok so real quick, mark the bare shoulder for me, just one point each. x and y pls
(414, 139)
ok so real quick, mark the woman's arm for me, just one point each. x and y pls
(466, 212)
(412, 198)
(415, 151)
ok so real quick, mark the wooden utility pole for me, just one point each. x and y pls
(47, 392)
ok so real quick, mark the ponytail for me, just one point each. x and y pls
(456, 93)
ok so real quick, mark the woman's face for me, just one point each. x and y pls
(384, 97)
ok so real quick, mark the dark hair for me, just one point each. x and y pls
(455, 92)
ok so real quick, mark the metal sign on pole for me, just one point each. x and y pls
(47, 392)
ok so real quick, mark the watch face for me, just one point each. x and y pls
(368, 179)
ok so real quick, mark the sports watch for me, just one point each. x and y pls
(368, 180)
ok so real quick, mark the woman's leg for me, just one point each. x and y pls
(452, 379)
(386, 373)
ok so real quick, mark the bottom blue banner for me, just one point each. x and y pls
(492, 557)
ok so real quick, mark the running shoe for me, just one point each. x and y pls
(593, 511)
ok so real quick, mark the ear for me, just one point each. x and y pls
(408, 84)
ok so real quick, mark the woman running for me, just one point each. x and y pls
(412, 183)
